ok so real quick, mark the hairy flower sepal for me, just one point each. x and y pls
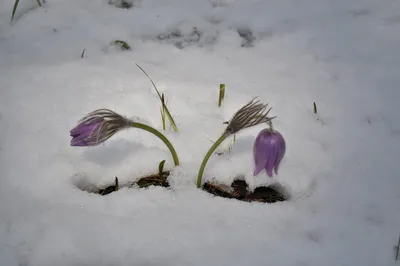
(100, 125)
(251, 114)
(97, 127)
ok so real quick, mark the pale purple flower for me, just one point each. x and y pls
(82, 132)
(97, 127)
(268, 151)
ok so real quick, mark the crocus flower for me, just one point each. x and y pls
(97, 127)
(268, 151)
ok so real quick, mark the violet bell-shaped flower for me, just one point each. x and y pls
(268, 151)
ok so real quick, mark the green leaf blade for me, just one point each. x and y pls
(14, 9)
(164, 106)
(161, 167)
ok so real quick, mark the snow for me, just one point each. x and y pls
(341, 165)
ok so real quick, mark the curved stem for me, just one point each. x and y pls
(271, 128)
(208, 155)
(160, 136)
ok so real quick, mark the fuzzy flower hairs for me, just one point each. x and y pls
(100, 125)
(97, 127)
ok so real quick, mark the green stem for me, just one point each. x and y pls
(160, 136)
(208, 155)
(14, 9)
(271, 128)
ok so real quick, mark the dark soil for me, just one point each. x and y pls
(238, 189)
(151, 180)
(154, 180)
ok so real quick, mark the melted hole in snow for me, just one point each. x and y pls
(84, 184)
(239, 191)
(247, 36)
(125, 4)
(184, 38)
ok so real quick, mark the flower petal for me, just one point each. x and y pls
(281, 149)
(84, 129)
(272, 158)
(78, 141)
(260, 153)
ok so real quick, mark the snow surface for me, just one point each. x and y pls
(341, 167)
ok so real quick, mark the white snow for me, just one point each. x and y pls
(341, 166)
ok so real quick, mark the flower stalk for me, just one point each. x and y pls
(207, 157)
(160, 136)
(271, 127)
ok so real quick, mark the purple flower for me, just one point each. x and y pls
(97, 127)
(268, 151)
(83, 131)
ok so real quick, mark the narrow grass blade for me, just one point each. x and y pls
(161, 167)
(171, 120)
(154, 85)
(116, 184)
(315, 108)
(398, 250)
(83, 53)
(163, 112)
(168, 114)
(162, 118)
(14, 9)
(16, 6)
(221, 94)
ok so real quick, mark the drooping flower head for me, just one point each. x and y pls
(98, 126)
(251, 114)
(268, 151)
